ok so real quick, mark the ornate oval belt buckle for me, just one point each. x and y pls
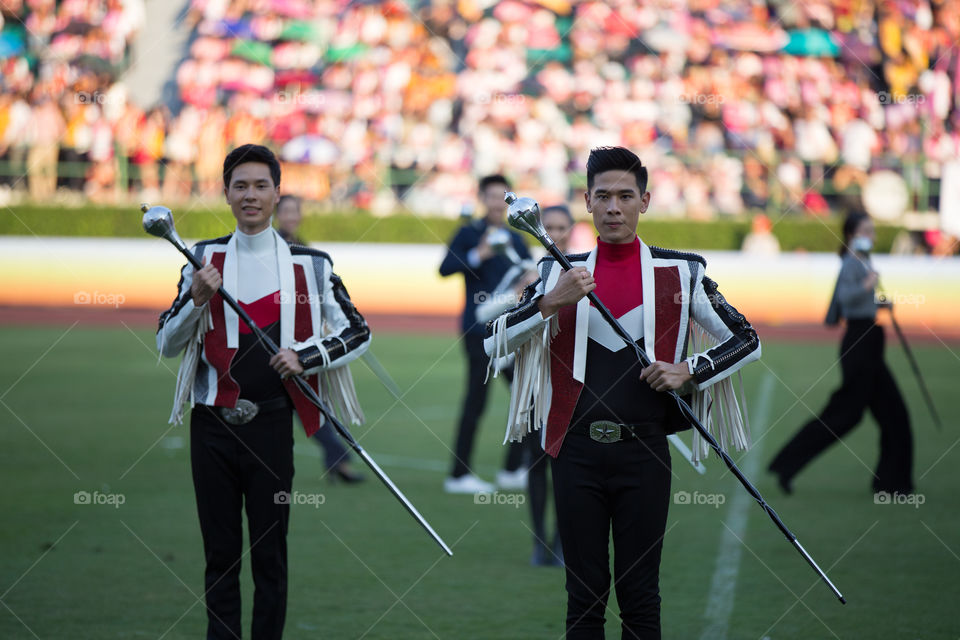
(605, 431)
(244, 412)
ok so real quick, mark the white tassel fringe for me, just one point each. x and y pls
(718, 408)
(531, 392)
(188, 368)
(338, 391)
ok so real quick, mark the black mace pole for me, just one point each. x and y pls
(524, 214)
(158, 221)
(913, 364)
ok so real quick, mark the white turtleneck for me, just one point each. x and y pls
(257, 271)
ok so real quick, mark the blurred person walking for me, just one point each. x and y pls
(866, 381)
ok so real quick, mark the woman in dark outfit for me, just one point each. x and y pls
(867, 382)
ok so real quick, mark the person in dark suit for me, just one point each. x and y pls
(866, 381)
(483, 251)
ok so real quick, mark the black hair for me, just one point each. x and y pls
(250, 153)
(615, 159)
(496, 178)
(562, 208)
(850, 225)
(285, 198)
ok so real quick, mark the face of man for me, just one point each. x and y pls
(288, 216)
(615, 202)
(558, 227)
(252, 196)
(492, 200)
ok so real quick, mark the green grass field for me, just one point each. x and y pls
(85, 409)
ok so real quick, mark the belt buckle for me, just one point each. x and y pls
(605, 431)
(244, 412)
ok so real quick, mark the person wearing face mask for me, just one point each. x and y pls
(866, 381)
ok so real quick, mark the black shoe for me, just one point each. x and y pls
(343, 473)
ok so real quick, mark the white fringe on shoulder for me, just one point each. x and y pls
(338, 392)
(188, 367)
(718, 408)
(531, 393)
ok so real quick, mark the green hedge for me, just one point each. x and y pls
(793, 234)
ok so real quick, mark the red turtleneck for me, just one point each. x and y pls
(618, 276)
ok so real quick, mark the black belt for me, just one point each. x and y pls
(608, 431)
(247, 410)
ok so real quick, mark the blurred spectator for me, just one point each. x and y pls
(405, 104)
(761, 241)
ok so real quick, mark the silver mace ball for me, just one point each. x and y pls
(158, 221)
(524, 214)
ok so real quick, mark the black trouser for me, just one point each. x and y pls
(626, 485)
(474, 402)
(538, 463)
(334, 451)
(867, 383)
(237, 466)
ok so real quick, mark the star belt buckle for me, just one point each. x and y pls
(605, 431)
(244, 412)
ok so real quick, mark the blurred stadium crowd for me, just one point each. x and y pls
(735, 105)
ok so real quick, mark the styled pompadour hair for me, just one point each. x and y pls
(615, 159)
(250, 153)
